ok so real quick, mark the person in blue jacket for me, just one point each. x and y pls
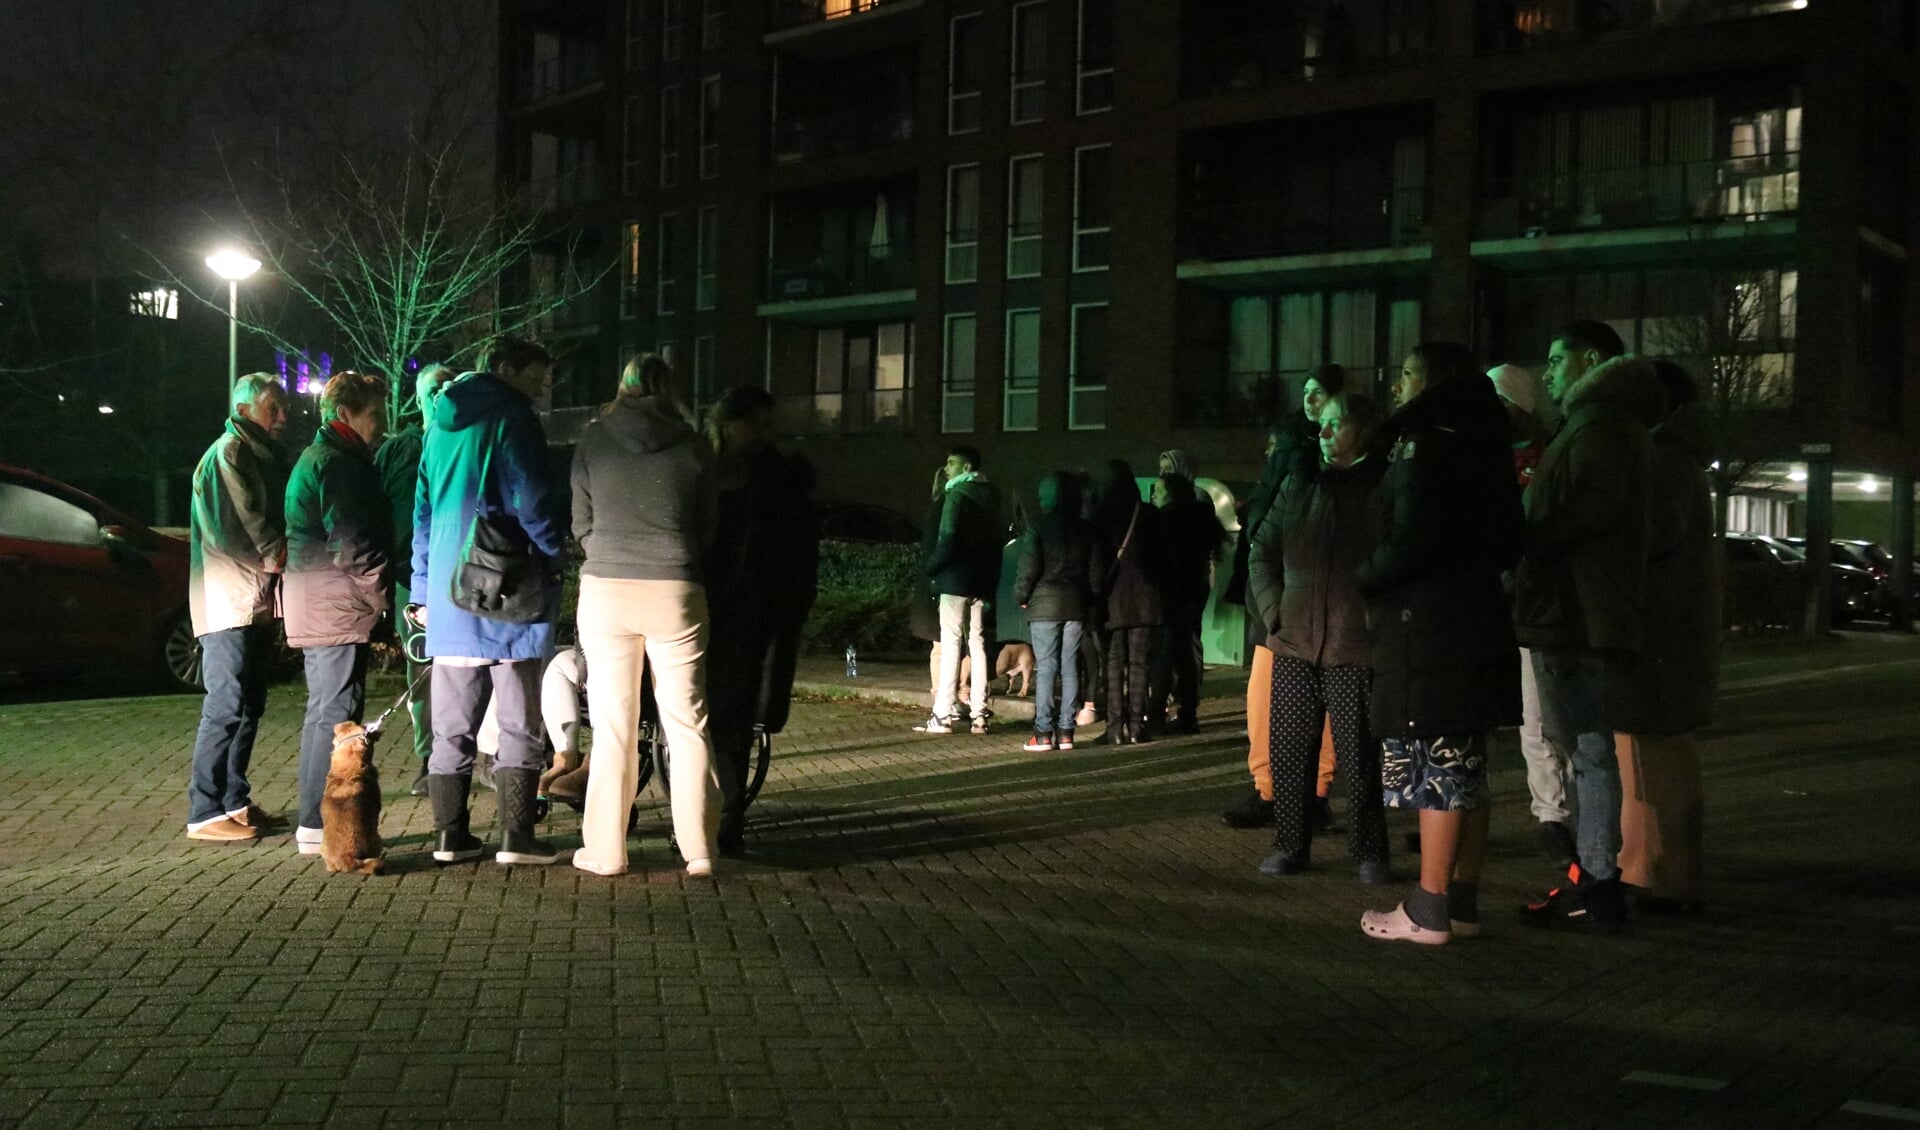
(485, 438)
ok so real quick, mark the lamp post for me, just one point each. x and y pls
(232, 264)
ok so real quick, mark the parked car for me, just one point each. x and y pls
(89, 589)
(865, 522)
(1873, 558)
(1764, 576)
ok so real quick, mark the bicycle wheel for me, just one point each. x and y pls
(762, 759)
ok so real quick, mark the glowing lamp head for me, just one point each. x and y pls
(232, 264)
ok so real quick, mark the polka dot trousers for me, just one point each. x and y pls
(1304, 695)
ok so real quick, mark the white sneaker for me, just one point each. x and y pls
(699, 868)
(933, 726)
(584, 863)
(307, 840)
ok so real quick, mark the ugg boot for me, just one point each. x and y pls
(517, 844)
(571, 786)
(565, 761)
(447, 792)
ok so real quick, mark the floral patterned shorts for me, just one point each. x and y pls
(1443, 774)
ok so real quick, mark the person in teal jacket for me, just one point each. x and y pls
(484, 438)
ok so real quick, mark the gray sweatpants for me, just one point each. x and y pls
(460, 696)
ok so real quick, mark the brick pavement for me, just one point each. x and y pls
(944, 931)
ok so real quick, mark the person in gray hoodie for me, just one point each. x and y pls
(644, 509)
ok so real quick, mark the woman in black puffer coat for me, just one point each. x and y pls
(1446, 667)
(1130, 531)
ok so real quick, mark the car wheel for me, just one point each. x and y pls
(180, 656)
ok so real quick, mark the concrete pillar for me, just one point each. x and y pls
(1900, 544)
(1817, 583)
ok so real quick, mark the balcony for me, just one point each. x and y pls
(802, 13)
(1727, 188)
(1267, 228)
(838, 276)
(552, 79)
(572, 188)
(1243, 47)
(887, 411)
(833, 133)
(1262, 398)
(1507, 25)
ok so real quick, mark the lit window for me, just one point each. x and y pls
(161, 302)
(630, 268)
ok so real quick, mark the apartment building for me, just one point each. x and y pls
(1070, 230)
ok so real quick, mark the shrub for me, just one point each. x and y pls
(864, 598)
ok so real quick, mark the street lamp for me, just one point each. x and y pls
(232, 264)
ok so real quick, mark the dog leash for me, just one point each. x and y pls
(373, 727)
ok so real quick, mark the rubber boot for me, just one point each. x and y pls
(516, 788)
(447, 792)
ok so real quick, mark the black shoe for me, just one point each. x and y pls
(1116, 734)
(447, 792)
(1280, 863)
(1375, 874)
(733, 836)
(1556, 843)
(518, 812)
(1249, 813)
(1667, 908)
(1583, 902)
(419, 786)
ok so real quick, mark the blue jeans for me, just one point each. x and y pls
(1573, 684)
(1056, 651)
(336, 692)
(233, 664)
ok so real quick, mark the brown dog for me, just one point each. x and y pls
(1016, 662)
(350, 808)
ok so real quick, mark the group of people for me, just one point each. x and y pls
(1108, 577)
(1496, 551)
(698, 559)
(1501, 548)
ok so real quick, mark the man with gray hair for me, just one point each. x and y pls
(239, 549)
(398, 461)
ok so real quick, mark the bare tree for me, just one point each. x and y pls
(1738, 341)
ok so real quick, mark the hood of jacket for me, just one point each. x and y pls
(976, 489)
(1629, 383)
(472, 399)
(1691, 428)
(645, 424)
(1468, 407)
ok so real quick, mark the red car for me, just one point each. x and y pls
(88, 589)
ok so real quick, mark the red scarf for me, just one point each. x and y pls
(345, 432)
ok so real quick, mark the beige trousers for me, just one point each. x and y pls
(625, 626)
(1259, 710)
(1662, 814)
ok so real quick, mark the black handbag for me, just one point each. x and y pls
(499, 575)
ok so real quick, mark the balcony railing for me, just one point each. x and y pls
(1264, 397)
(798, 13)
(1507, 25)
(1728, 188)
(843, 413)
(824, 276)
(1251, 229)
(1341, 39)
(834, 132)
(552, 78)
